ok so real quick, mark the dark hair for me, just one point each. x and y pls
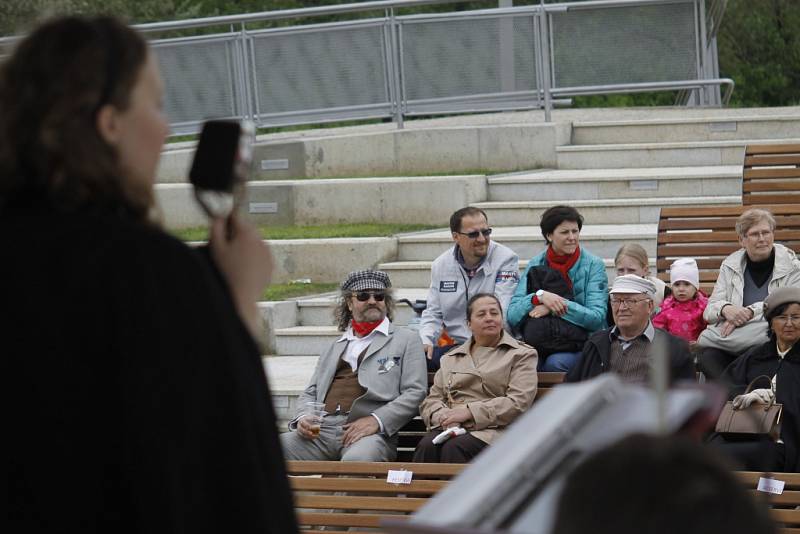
(657, 485)
(477, 296)
(771, 314)
(51, 89)
(458, 216)
(556, 215)
(342, 314)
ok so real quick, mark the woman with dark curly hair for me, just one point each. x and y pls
(778, 361)
(140, 398)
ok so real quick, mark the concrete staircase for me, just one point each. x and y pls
(618, 173)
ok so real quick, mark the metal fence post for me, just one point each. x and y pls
(394, 52)
(544, 54)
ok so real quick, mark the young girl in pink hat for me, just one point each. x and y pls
(682, 312)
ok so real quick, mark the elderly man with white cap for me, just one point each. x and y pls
(366, 385)
(627, 348)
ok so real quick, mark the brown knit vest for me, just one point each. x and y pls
(345, 387)
(632, 364)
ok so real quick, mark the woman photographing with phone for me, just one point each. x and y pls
(141, 401)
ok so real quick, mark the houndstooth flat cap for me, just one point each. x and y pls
(368, 279)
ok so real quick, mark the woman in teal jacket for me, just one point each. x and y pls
(584, 272)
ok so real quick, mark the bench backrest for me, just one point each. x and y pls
(357, 495)
(707, 234)
(771, 174)
(784, 508)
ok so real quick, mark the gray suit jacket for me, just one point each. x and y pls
(393, 371)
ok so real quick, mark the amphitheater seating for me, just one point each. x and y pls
(771, 175)
(707, 234)
(356, 494)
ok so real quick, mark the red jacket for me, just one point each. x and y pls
(682, 319)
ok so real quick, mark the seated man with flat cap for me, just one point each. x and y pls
(627, 347)
(371, 380)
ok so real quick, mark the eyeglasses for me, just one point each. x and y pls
(794, 319)
(627, 303)
(486, 232)
(363, 296)
(759, 235)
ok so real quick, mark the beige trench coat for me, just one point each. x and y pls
(496, 390)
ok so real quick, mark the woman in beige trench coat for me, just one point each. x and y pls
(482, 387)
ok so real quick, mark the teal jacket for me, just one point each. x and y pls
(589, 284)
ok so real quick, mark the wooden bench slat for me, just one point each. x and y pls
(768, 199)
(365, 485)
(340, 519)
(347, 502)
(775, 185)
(722, 237)
(790, 497)
(295, 467)
(788, 517)
(771, 172)
(774, 148)
(722, 211)
(694, 250)
(704, 264)
(750, 161)
(750, 478)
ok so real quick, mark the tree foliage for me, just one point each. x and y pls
(759, 47)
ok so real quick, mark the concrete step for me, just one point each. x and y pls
(601, 240)
(418, 273)
(422, 199)
(616, 183)
(677, 154)
(604, 211)
(685, 129)
(288, 377)
(304, 340)
(318, 311)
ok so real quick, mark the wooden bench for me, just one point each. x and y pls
(707, 234)
(410, 435)
(318, 489)
(356, 494)
(784, 508)
(771, 175)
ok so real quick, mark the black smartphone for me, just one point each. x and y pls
(221, 165)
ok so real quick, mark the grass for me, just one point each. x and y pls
(293, 290)
(315, 232)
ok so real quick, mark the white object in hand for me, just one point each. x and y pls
(762, 396)
(447, 434)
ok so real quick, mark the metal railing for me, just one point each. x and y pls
(392, 66)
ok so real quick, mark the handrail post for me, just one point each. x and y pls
(544, 54)
(394, 53)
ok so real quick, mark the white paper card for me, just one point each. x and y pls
(770, 485)
(399, 477)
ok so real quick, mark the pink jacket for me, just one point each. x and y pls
(682, 319)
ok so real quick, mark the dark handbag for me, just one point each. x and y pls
(756, 419)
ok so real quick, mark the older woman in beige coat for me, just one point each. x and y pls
(481, 387)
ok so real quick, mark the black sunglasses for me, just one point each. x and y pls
(363, 296)
(486, 232)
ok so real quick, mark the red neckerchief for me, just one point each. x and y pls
(363, 329)
(563, 263)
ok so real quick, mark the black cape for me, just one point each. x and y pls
(137, 399)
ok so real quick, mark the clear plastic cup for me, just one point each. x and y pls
(313, 413)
